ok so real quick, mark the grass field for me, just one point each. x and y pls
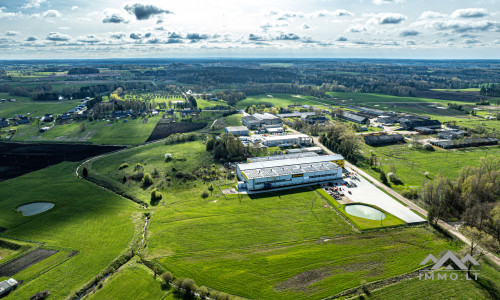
(132, 281)
(9, 252)
(358, 98)
(85, 218)
(282, 100)
(36, 108)
(411, 165)
(101, 132)
(487, 287)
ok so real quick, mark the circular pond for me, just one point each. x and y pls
(364, 211)
(35, 208)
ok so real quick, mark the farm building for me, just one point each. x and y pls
(259, 120)
(47, 118)
(296, 114)
(288, 172)
(4, 123)
(387, 119)
(380, 140)
(7, 285)
(355, 118)
(425, 130)
(451, 134)
(64, 116)
(412, 123)
(284, 140)
(314, 119)
(468, 142)
(236, 130)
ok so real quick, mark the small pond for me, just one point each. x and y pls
(364, 211)
(34, 208)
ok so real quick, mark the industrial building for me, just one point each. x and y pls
(280, 157)
(451, 134)
(466, 142)
(355, 118)
(237, 130)
(259, 120)
(408, 123)
(306, 149)
(276, 173)
(284, 140)
(382, 140)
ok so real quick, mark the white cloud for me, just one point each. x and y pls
(34, 3)
(386, 18)
(4, 14)
(58, 37)
(470, 13)
(305, 26)
(11, 33)
(356, 28)
(74, 7)
(432, 15)
(329, 13)
(51, 13)
(380, 2)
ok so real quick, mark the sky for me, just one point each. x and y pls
(441, 29)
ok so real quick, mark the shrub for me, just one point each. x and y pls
(40, 295)
(211, 187)
(202, 291)
(138, 166)
(123, 166)
(186, 284)
(179, 175)
(383, 177)
(155, 196)
(167, 276)
(147, 180)
(137, 175)
(156, 172)
(210, 144)
(204, 194)
(85, 172)
(428, 147)
(410, 193)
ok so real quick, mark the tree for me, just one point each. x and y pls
(85, 172)
(204, 194)
(147, 180)
(480, 243)
(167, 277)
(383, 177)
(495, 220)
(202, 291)
(210, 144)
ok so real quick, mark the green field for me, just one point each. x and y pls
(94, 222)
(457, 90)
(487, 287)
(8, 252)
(282, 100)
(24, 106)
(411, 165)
(358, 98)
(132, 281)
(263, 246)
(101, 132)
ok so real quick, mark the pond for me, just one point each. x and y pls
(35, 208)
(364, 211)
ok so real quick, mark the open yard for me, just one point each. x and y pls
(88, 226)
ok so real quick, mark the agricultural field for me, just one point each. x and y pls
(487, 287)
(281, 100)
(252, 242)
(101, 132)
(135, 275)
(9, 248)
(346, 98)
(24, 106)
(163, 130)
(411, 165)
(82, 212)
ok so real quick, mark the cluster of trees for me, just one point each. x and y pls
(178, 138)
(83, 70)
(231, 97)
(492, 90)
(227, 148)
(472, 197)
(341, 139)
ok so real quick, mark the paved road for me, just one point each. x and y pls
(452, 230)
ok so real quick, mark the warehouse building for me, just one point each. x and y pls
(280, 157)
(285, 140)
(466, 142)
(382, 140)
(288, 172)
(355, 118)
(237, 130)
(259, 120)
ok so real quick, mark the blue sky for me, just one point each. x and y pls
(271, 28)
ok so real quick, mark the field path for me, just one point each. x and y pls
(450, 229)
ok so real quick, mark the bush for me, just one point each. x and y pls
(204, 194)
(383, 177)
(40, 295)
(167, 276)
(410, 193)
(123, 166)
(210, 144)
(155, 196)
(137, 175)
(147, 180)
(202, 291)
(186, 284)
(211, 188)
(428, 147)
(138, 166)
(179, 175)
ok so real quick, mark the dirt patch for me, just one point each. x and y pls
(163, 130)
(18, 159)
(73, 254)
(303, 280)
(13, 267)
(451, 95)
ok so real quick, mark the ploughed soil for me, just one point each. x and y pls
(17, 265)
(17, 159)
(163, 130)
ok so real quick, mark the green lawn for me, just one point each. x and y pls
(11, 248)
(358, 98)
(85, 218)
(132, 281)
(132, 132)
